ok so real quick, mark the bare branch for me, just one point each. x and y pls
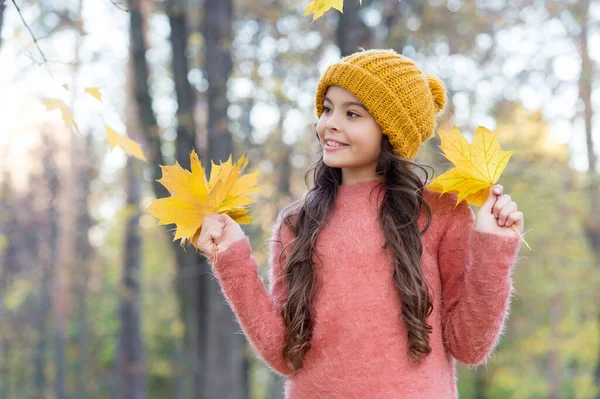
(30, 56)
(33, 36)
(118, 6)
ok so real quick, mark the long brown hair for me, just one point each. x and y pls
(398, 216)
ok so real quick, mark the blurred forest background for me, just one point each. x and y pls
(96, 301)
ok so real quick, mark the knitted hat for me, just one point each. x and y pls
(403, 99)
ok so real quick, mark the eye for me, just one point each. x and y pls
(350, 113)
(325, 109)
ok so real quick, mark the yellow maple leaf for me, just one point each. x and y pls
(53, 104)
(477, 167)
(193, 197)
(320, 7)
(129, 146)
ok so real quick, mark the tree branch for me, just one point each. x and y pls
(118, 6)
(30, 56)
(32, 35)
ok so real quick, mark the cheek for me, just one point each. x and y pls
(371, 141)
(320, 128)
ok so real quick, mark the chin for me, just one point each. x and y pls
(335, 163)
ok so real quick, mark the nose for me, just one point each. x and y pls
(332, 122)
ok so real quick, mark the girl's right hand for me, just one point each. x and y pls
(219, 229)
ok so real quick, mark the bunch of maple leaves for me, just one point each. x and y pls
(193, 197)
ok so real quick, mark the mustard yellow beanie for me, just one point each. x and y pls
(403, 99)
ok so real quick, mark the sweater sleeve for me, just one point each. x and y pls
(258, 310)
(475, 269)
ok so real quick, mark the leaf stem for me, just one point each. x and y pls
(214, 260)
(520, 236)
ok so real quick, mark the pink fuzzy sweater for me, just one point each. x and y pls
(360, 345)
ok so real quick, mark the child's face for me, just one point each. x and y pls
(344, 119)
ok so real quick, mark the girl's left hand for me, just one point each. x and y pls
(499, 213)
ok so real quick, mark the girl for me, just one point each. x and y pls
(377, 285)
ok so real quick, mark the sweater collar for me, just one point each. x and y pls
(365, 190)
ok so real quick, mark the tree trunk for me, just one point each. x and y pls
(149, 127)
(47, 258)
(188, 274)
(585, 93)
(59, 359)
(5, 352)
(78, 238)
(192, 309)
(554, 366)
(480, 384)
(276, 391)
(351, 33)
(82, 272)
(7, 229)
(186, 125)
(131, 363)
(224, 370)
(131, 372)
(218, 36)
(39, 378)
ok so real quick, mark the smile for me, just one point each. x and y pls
(332, 145)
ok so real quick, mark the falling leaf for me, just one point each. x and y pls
(477, 167)
(129, 146)
(320, 7)
(53, 104)
(193, 197)
(95, 92)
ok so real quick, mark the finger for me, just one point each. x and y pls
(498, 189)
(207, 223)
(207, 252)
(515, 218)
(488, 205)
(215, 234)
(225, 220)
(220, 248)
(508, 209)
(212, 231)
(205, 243)
(213, 217)
(500, 203)
(210, 215)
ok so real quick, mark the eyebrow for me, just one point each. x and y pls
(348, 103)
